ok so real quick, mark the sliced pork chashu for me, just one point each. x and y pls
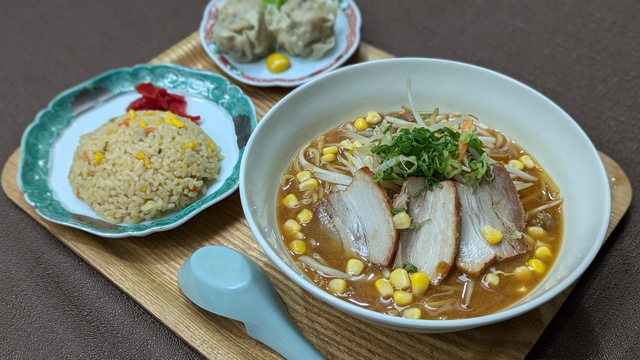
(361, 217)
(494, 202)
(431, 244)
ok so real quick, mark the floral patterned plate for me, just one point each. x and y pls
(347, 32)
(48, 144)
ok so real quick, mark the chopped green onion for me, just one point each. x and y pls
(433, 155)
(421, 223)
(276, 3)
(409, 267)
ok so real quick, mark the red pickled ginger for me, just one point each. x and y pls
(157, 98)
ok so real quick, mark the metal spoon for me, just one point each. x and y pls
(225, 282)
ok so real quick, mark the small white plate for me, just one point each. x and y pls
(347, 32)
(227, 116)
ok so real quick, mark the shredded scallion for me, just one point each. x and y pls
(409, 267)
(433, 155)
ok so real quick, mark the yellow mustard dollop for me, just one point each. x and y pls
(277, 63)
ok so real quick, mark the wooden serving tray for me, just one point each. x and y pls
(146, 269)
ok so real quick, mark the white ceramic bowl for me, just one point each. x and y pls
(528, 117)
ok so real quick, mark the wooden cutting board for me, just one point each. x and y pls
(146, 268)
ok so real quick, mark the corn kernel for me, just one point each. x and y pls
(535, 232)
(402, 220)
(97, 157)
(132, 114)
(516, 164)
(177, 123)
(292, 226)
(384, 288)
(402, 298)
(361, 124)
(173, 120)
(354, 267)
(330, 150)
(309, 184)
(412, 313)
(492, 279)
(298, 246)
(399, 278)
(522, 273)
(419, 283)
(337, 286)
(543, 253)
(527, 161)
(304, 216)
(328, 158)
(291, 201)
(373, 118)
(303, 175)
(537, 266)
(346, 144)
(491, 234)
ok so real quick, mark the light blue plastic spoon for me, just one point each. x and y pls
(227, 283)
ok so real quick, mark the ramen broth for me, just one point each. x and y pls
(498, 286)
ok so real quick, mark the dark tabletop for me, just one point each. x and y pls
(584, 55)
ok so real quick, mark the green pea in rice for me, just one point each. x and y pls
(139, 165)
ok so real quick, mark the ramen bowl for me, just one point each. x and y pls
(525, 115)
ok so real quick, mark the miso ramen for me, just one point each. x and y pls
(427, 215)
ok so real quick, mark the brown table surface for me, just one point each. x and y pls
(584, 55)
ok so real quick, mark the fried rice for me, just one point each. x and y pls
(139, 165)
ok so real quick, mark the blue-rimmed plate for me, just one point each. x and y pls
(347, 33)
(227, 116)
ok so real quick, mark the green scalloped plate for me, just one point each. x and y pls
(227, 115)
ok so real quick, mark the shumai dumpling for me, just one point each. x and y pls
(241, 32)
(304, 27)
